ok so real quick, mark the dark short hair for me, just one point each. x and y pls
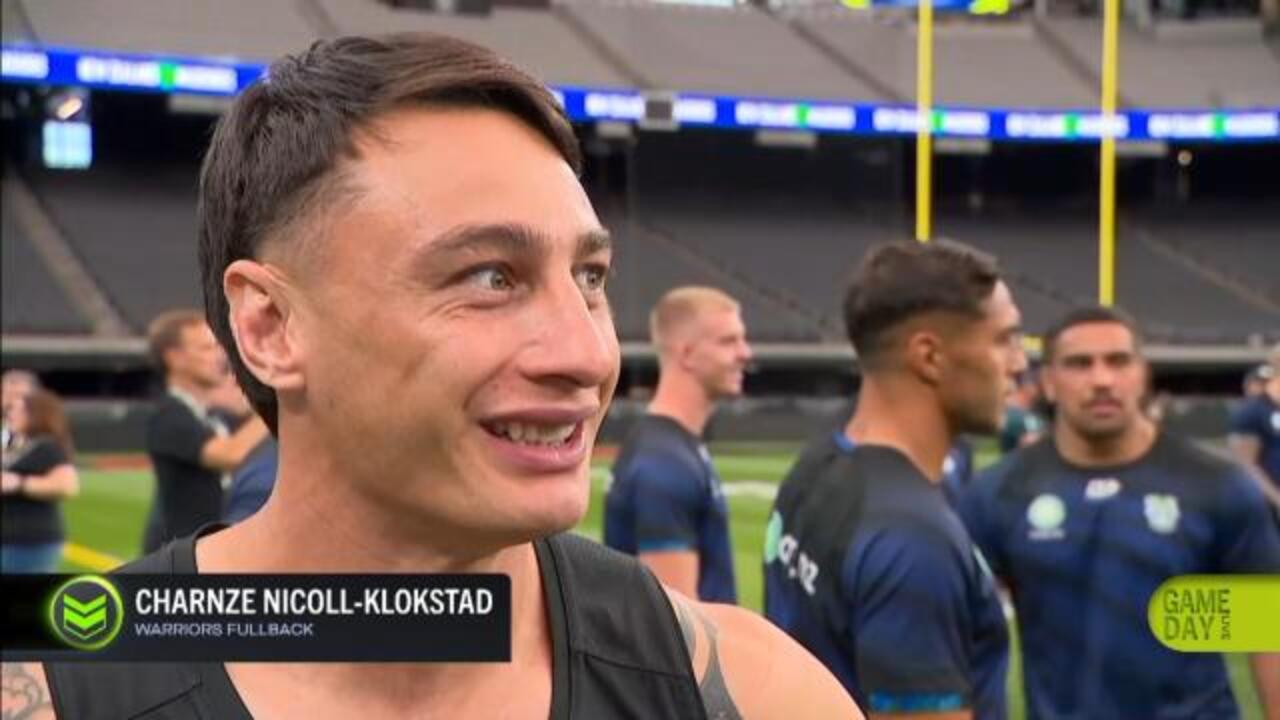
(1088, 315)
(276, 155)
(164, 333)
(899, 281)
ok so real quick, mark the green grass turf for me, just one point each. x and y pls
(110, 512)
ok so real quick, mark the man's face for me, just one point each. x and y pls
(718, 352)
(1097, 380)
(984, 358)
(12, 392)
(459, 348)
(197, 358)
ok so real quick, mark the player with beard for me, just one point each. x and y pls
(866, 564)
(665, 504)
(1086, 524)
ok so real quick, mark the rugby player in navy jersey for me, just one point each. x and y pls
(1084, 526)
(866, 564)
(665, 504)
(1255, 427)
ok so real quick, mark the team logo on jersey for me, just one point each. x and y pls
(1162, 513)
(948, 465)
(1046, 514)
(1275, 421)
(1100, 489)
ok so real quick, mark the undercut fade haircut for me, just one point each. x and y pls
(899, 281)
(277, 157)
(1089, 315)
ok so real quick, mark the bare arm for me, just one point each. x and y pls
(226, 453)
(25, 693)
(677, 569)
(1266, 678)
(62, 482)
(747, 668)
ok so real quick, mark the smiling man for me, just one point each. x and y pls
(409, 281)
(1085, 524)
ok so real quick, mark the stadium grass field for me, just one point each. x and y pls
(105, 525)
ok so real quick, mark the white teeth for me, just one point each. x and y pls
(531, 434)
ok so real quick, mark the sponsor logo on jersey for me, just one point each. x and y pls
(1046, 514)
(1099, 489)
(1162, 513)
(785, 549)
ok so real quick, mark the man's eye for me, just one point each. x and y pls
(491, 278)
(592, 278)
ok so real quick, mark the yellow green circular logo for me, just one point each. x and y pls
(86, 612)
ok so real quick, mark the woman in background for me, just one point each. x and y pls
(38, 475)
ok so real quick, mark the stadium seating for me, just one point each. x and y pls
(247, 29)
(537, 40)
(1174, 300)
(33, 302)
(1220, 63)
(1241, 242)
(135, 231)
(737, 49)
(977, 64)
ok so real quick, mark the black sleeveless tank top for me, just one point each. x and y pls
(617, 650)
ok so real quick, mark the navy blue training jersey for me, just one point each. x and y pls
(666, 495)
(868, 567)
(1259, 418)
(1083, 550)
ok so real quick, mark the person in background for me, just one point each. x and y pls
(1022, 426)
(1255, 381)
(1255, 430)
(1085, 525)
(38, 475)
(190, 446)
(665, 504)
(252, 483)
(865, 563)
(14, 385)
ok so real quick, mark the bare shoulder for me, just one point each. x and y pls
(26, 692)
(747, 668)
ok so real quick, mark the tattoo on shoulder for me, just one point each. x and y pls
(25, 696)
(713, 689)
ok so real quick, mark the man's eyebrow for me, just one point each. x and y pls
(512, 238)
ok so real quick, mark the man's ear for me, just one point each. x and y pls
(261, 315)
(924, 355)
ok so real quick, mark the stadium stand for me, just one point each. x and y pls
(249, 29)
(33, 301)
(738, 49)
(977, 63)
(1218, 63)
(1240, 242)
(534, 39)
(128, 225)
(1174, 300)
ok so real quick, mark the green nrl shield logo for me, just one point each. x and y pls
(86, 613)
